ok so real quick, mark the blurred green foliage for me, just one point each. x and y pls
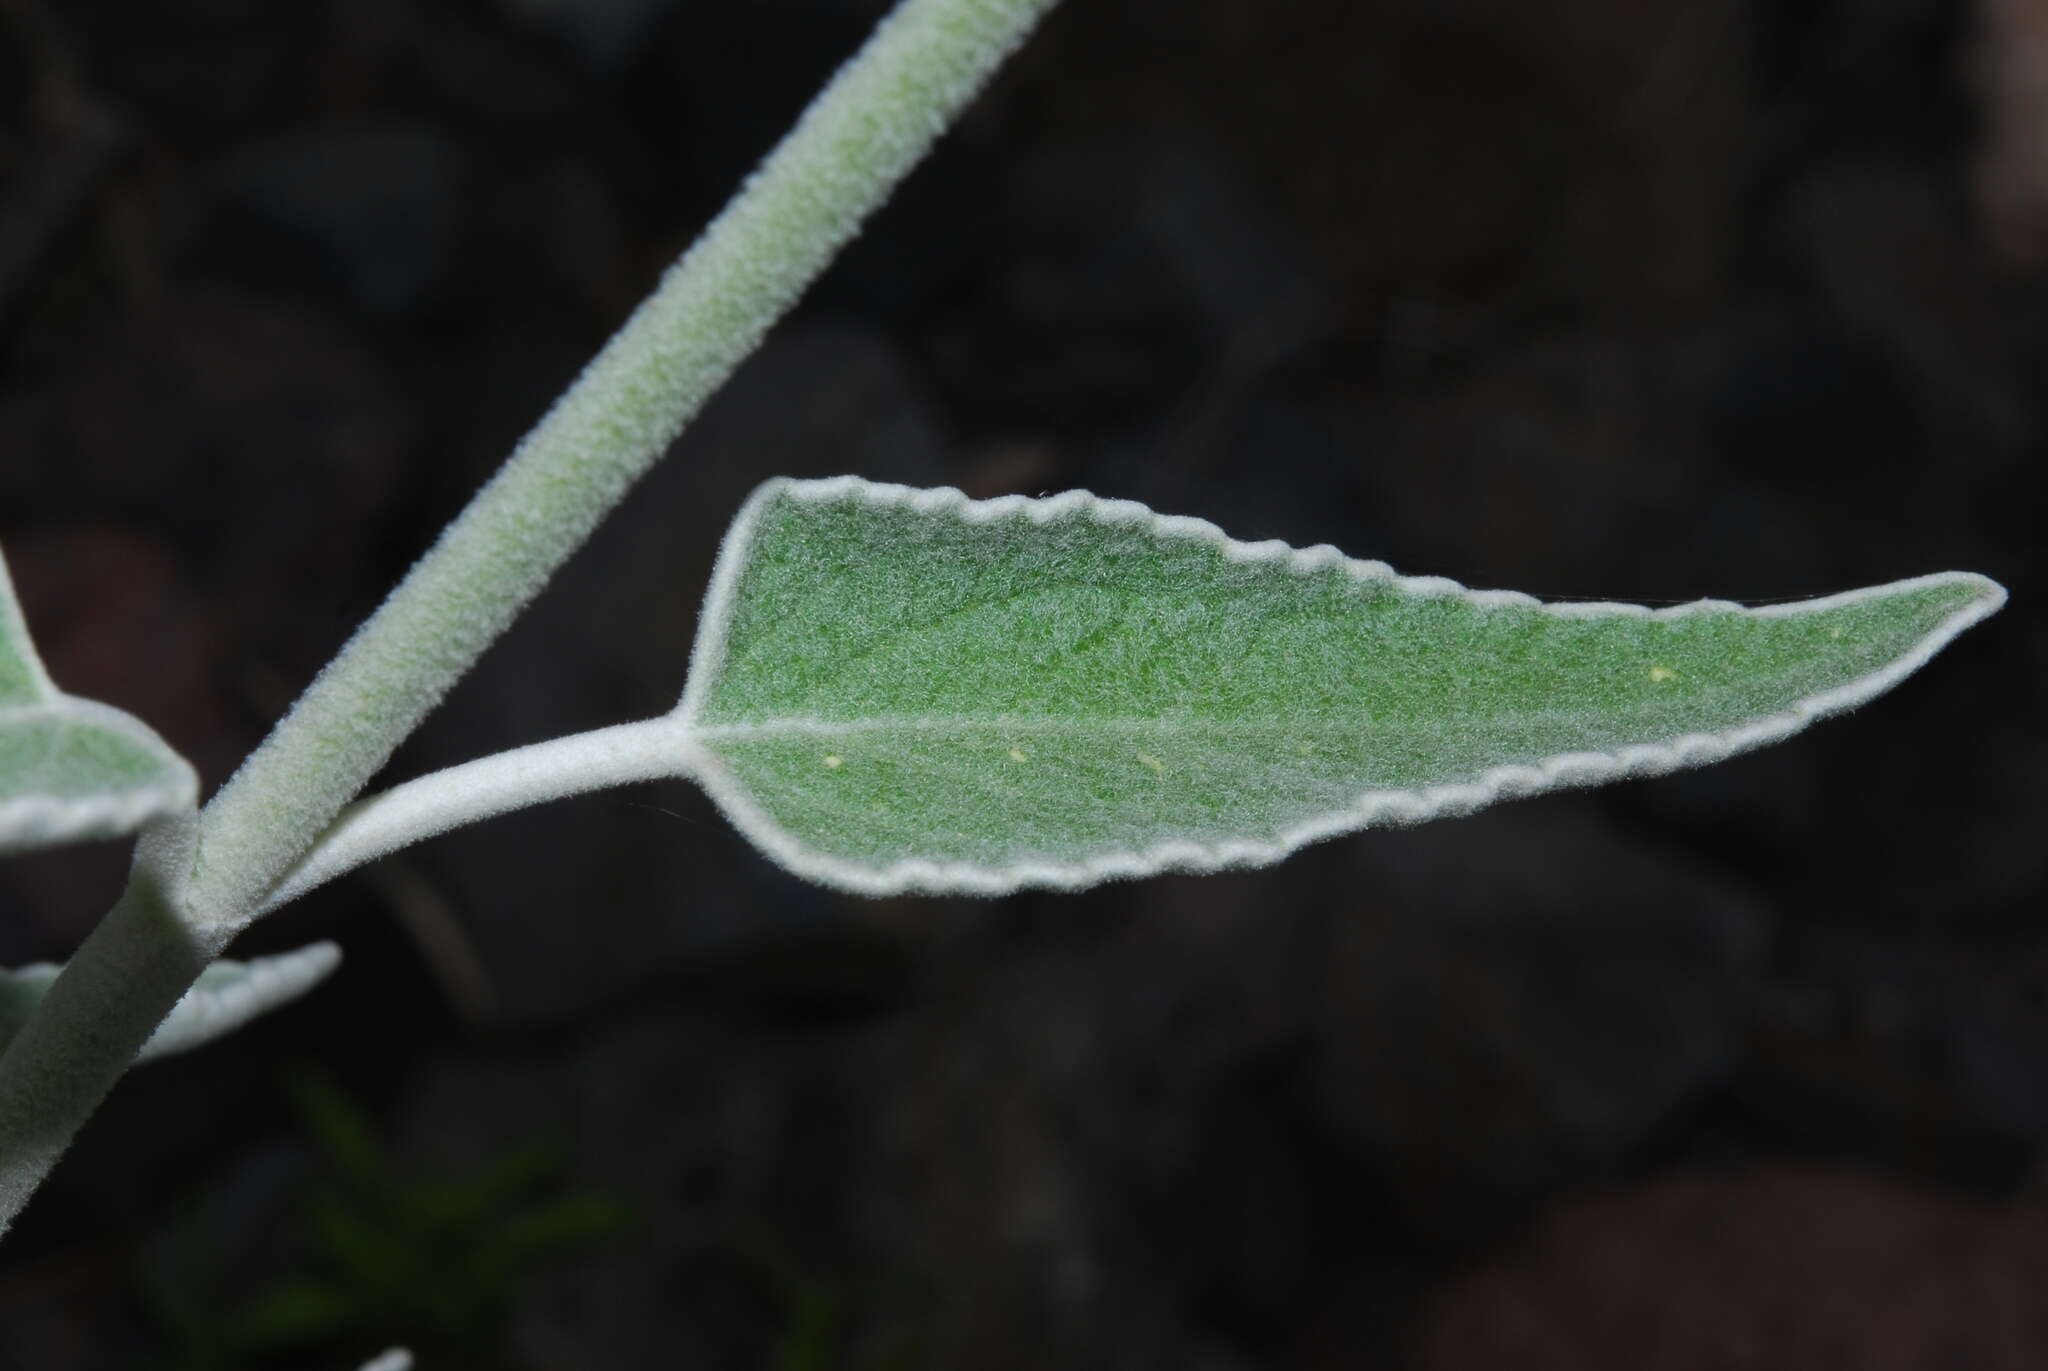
(826, 1322)
(376, 1256)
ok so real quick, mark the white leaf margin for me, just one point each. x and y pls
(32, 821)
(1372, 808)
(227, 995)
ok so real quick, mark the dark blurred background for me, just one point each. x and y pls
(1741, 1068)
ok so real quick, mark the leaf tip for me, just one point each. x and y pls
(1986, 595)
(1974, 597)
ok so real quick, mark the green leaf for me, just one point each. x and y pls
(293, 1312)
(227, 995)
(901, 689)
(72, 769)
(344, 1132)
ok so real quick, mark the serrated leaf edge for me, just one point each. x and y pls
(1371, 808)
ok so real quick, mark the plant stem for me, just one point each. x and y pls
(859, 138)
(856, 141)
(123, 980)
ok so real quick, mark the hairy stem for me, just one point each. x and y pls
(123, 980)
(864, 132)
(856, 141)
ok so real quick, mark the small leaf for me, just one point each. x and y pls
(293, 1312)
(72, 769)
(226, 996)
(343, 1130)
(901, 689)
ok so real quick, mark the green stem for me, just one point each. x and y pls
(853, 145)
(859, 138)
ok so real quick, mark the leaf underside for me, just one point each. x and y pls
(226, 996)
(907, 689)
(72, 769)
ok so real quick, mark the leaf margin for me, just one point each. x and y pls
(1372, 808)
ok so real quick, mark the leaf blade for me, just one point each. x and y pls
(908, 689)
(73, 769)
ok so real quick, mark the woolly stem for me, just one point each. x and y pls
(116, 989)
(856, 141)
(859, 138)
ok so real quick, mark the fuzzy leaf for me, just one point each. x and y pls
(72, 769)
(901, 689)
(226, 996)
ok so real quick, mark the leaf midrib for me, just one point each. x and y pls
(1050, 724)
